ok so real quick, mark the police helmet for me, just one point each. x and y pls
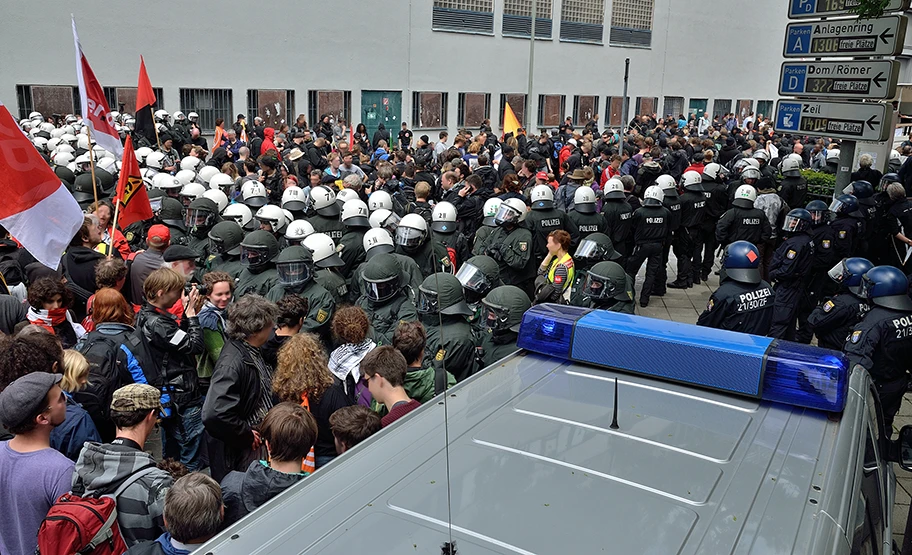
(323, 200)
(381, 275)
(271, 218)
(605, 281)
(441, 293)
(887, 179)
(141, 154)
(293, 199)
(692, 181)
(504, 307)
(584, 200)
(478, 275)
(542, 197)
(886, 286)
(511, 212)
(225, 238)
(653, 196)
(294, 266)
(385, 219)
(346, 195)
(741, 262)
(193, 116)
(297, 230)
(222, 182)
(797, 220)
(844, 204)
(750, 173)
(762, 155)
(191, 191)
(207, 172)
(411, 231)
(596, 247)
(185, 176)
(355, 213)
(443, 217)
(377, 241)
(155, 160)
(324, 250)
(790, 167)
(167, 183)
(491, 206)
(172, 212)
(614, 189)
(668, 186)
(745, 195)
(849, 271)
(832, 155)
(253, 194)
(378, 200)
(819, 212)
(860, 189)
(258, 249)
(218, 197)
(239, 213)
(201, 214)
(190, 163)
(61, 158)
(713, 172)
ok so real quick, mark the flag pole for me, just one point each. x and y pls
(114, 225)
(155, 127)
(92, 163)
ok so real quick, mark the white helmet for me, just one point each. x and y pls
(207, 172)
(324, 250)
(411, 231)
(83, 161)
(614, 188)
(193, 116)
(385, 219)
(253, 194)
(186, 176)
(745, 195)
(665, 181)
(218, 197)
(70, 139)
(166, 182)
(155, 160)
(62, 158)
(191, 191)
(68, 129)
(378, 200)
(712, 170)
(52, 143)
(239, 213)
(179, 116)
(761, 155)
(750, 173)
(542, 196)
(162, 116)
(511, 211)
(832, 154)
(107, 164)
(491, 206)
(380, 239)
(692, 181)
(443, 217)
(791, 167)
(293, 198)
(584, 200)
(653, 196)
(82, 141)
(100, 152)
(324, 201)
(64, 147)
(298, 230)
(36, 116)
(289, 217)
(55, 134)
(191, 163)
(222, 182)
(272, 216)
(40, 143)
(141, 154)
(895, 155)
(47, 127)
(346, 195)
(354, 213)
(752, 162)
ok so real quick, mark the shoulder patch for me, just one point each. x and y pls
(440, 354)
(828, 306)
(130, 236)
(855, 337)
(826, 243)
(842, 234)
(322, 315)
(710, 305)
(523, 246)
(791, 254)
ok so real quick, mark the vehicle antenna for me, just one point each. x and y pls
(448, 548)
(614, 417)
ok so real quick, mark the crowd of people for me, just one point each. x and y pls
(294, 294)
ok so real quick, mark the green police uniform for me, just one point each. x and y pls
(352, 251)
(450, 340)
(512, 249)
(411, 277)
(258, 283)
(320, 304)
(610, 288)
(481, 235)
(494, 348)
(259, 249)
(230, 264)
(383, 297)
(431, 257)
(503, 309)
(334, 283)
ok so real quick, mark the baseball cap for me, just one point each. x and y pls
(136, 397)
(179, 252)
(22, 398)
(541, 175)
(159, 235)
(241, 116)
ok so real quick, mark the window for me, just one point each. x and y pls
(464, 16)
(275, 106)
(615, 109)
(647, 106)
(517, 18)
(674, 106)
(517, 103)
(335, 103)
(582, 21)
(631, 23)
(584, 109)
(123, 99)
(745, 107)
(429, 110)
(764, 108)
(210, 104)
(551, 109)
(721, 107)
(474, 108)
(48, 99)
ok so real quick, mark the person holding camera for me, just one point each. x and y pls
(170, 361)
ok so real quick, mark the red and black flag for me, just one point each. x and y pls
(132, 199)
(145, 105)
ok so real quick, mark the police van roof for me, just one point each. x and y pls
(535, 467)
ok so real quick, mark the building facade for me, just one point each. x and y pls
(434, 64)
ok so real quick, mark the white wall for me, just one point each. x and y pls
(729, 49)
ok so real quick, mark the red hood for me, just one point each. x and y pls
(269, 133)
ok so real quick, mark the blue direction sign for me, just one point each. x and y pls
(846, 37)
(825, 8)
(839, 120)
(875, 79)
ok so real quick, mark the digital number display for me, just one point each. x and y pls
(845, 86)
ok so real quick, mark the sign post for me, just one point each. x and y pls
(839, 120)
(846, 37)
(875, 79)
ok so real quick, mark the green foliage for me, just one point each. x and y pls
(819, 183)
(871, 8)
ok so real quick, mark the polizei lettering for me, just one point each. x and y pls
(555, 222)
(753, 299)
(588, 228)
(750, 221)
(655, 220)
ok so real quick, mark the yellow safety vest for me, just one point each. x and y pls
(561, 283)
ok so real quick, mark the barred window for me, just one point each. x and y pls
(517, 103)
(473, 109)
(631, 22)
(674, 106)
(551, 109)
(210, 104)
(721, 107)
(275, 106)
(764, 108)
(429, 110)
(123, 99)
(584, 108)
(517, 18)
(464, 16)
(335, 103)
(615, 116)
(745, 107)
(582, 21)
(48, 99)
(647, 106)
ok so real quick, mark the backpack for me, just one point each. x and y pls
(107, 372)
(11, 270)
(85, 525)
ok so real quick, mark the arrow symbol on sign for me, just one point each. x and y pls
(872, 122)
(884, 36)
(878, 80)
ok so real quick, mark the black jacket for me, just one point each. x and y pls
(170, 362)
(79, 263)
(834, 319)
(243, 492)
(737, 306)
(234, 394)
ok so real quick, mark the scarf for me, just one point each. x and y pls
(47, 319)
(346, 359)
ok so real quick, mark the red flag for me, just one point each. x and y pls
(145, 102)
(132, 198)
(36, 209)
(351, 138)
(95, 111)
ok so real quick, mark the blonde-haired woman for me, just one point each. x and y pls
(77, 428)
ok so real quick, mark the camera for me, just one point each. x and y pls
(201, 287)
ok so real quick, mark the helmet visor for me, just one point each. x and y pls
(818, 216)
(838, 207)
(197, 217)
(496, 317)
(473, 279)
(599, 287)
(409, 237)
(216, 245)
(839, 273)
(506, 214)
(793, 224)
(391, 224)
(293, 273)
(254, 256)
(156, 204)
(381, 290)
(428, 302)
(866, 288)
(590, 250)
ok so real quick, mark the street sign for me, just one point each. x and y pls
(875, 79)
(846, 37)
(838, 120)
(799, 9)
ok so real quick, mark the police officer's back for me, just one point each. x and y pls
(617, 212)
(326, 213)
(354, 219)
(793, 187)
(834, 319)
(584, 218)
(443, 310)
(790, 270)
(502, 311)
(651, 229)
(543, 219)
(846, 228)
(743, 222)
(445, 232)
(863, 191)
(825, 255)
(489, 211)
(743, 302)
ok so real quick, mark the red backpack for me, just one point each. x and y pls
(85, 525)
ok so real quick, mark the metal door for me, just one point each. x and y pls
(381, 107)
(697, 106)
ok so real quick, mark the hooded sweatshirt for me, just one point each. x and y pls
(268, 136)
(80, 265)
(244, 492)
(102, 467)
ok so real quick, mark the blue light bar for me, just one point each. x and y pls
(743, 364)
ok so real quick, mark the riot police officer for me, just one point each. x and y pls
(271, 218)
(715, 191)
(445, 231)
(651, 228)
(295, 269)
(379, 241)
(489, 211)
(172, 216)
(595, 248)
(354, 219)
(793, 188)
(743, 222)
(617, 212)
(327, 260)
(609, 287)
(543, 219)
(846, 229)
(834, 319)
(258, 252)
(511, 245)
(688, 246)
(384, 298)
(503, 309)
(225, 248)
(743, 302)
(413, 240)
(584, 218)
(672, 202)
(326, 213)
(201, 215)
(882, 341)
(825, 255)
(478, 275)
(863, 192)
(241, 214)
(443, 310)
(790, 270)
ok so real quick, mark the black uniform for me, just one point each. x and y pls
(793, 190)
(716, 204)
(541, 222)
(834, 319)
(651, 229)
(330, 226)
(617, 213)
(825, 257)
(584, 224)
(845, 233)
(790, 269)
(737, 306)
(431, 257)
(743, 224)
(673, 205)
(456, 244)
(688, 242)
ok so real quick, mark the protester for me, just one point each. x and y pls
(49, 302)
(385, 368)
(349, 328)
(78, 428)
